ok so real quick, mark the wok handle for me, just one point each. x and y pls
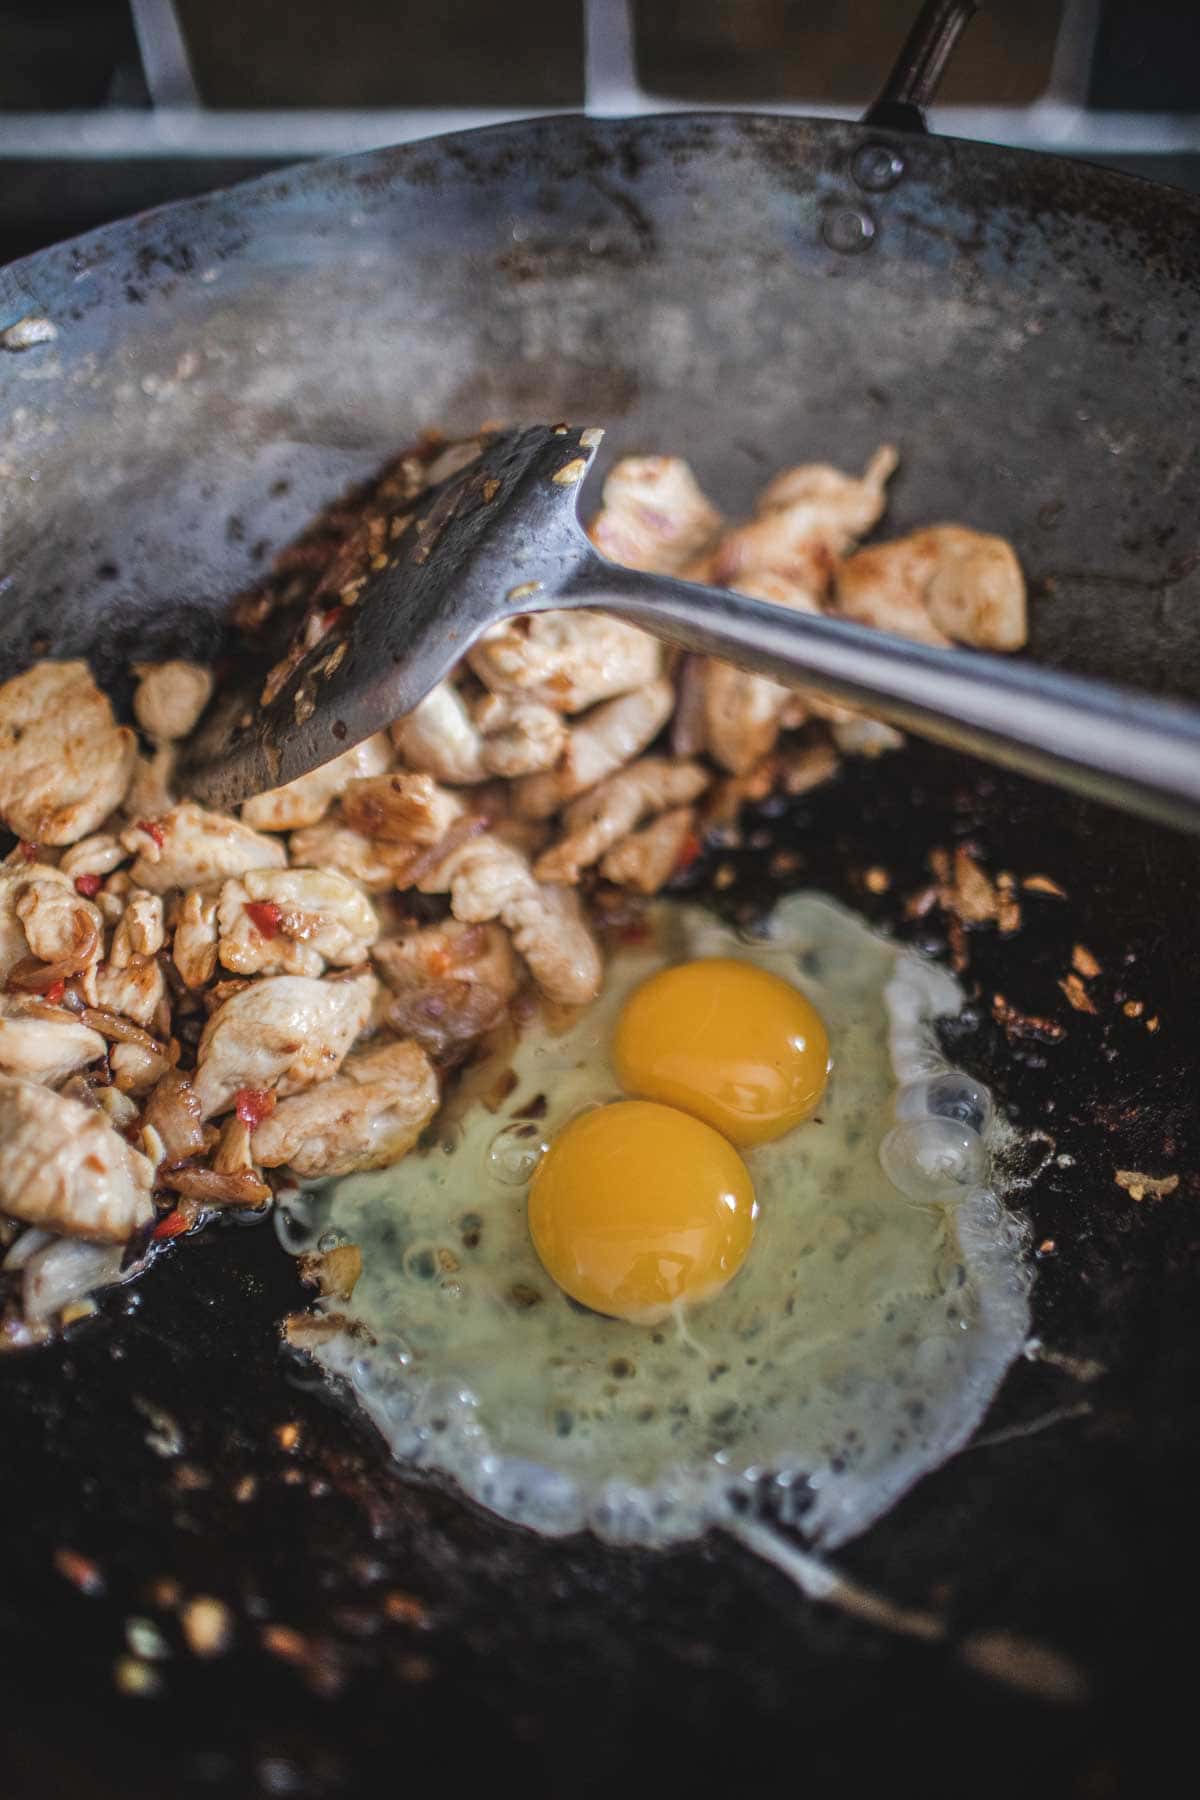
(1107, 743)
(918, 69)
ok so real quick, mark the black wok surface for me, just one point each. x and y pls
(1023, 330)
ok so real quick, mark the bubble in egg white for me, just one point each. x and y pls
(856, 1349)
(932, 1159)
(951, 1095)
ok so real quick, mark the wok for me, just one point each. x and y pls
(754, 291)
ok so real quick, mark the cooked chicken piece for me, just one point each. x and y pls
(376, 866)
(946, 582)
(653, 515)
(134, 990)
(112, 897)
(743, 714)
(519, 736)
(365, 1118)
(567, 660)
(401, 808)
(489, 879)
(96, 855)
(804, 520)
(118, 1108)
(293, 922)
(194, 949)
(647, 858)
(173, 1113)
(189, 846)
(64, 1271)
(977, 591)
(64, 761)
(451, 983)
(15, 877)
(45, 1050)
(151, 790)
(604, 741)
(232, 1155)
(307, 799)
(139, 931)
(135, 1069)
(598, 820)
(285, 1032)
(860, 736)
(440, 738)
(63, 1167)
(170, 697)
(61, 927)
(806, 767)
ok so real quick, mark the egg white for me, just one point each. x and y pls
(857, 1348)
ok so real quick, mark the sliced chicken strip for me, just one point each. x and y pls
(401, 808)
(449, 983)
(977, 594)
(604, 740)
(304, 801)
(99, 855)
(170, 697)
(861, 736)
(63, 1167)
(173, 1113)
(804, 521)
(654, 516)
(520, 737)
(886, 586)
(194, 947)
(599, 819)
(189, 846)
(134, 990)
(365, 1118)
(566, 660)
(489, 879)
(944, 583)
(15, 876)
(293, 922)
(373, 864)
(440, 738)
(285, 1032)
(45, 1050)
(646, 859)
(65, 763)
(151, 790)
(61, 927)
(140, 931)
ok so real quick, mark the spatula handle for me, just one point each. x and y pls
(1109, 744)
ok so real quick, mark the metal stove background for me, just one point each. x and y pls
(109, 106)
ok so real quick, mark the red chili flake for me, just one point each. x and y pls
(254, 1105)
(636, 932)
(174, 1224)
(687, 856)
(265, 916)
(54, 992)
(332, 616)
(28, 851)
(152, 829)
(88, 885)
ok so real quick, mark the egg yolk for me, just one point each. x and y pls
(636, 1207)
(727, 1041)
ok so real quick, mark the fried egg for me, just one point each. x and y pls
(854, 1291)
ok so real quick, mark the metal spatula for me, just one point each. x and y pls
(503, 537)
